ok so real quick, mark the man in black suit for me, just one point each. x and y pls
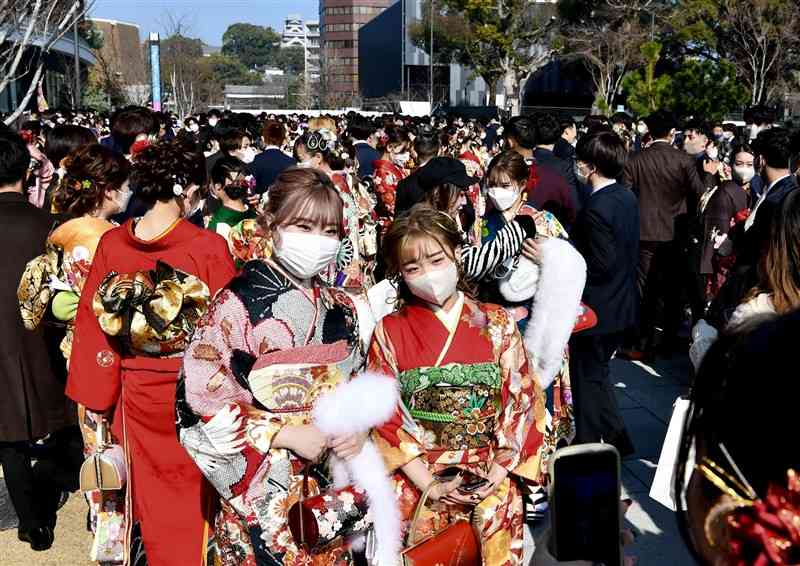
(363, 134)
(564, 147)
(607, 235)
(272, 161)
(548, 132)
(409, 192)
(663, 178)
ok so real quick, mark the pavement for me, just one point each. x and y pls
(645, 394)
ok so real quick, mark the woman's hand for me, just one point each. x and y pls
(497, 476)
(307, 441)
(348, 446)
(532, 251)
(443, 491)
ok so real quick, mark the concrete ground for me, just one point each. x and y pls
(645, 395)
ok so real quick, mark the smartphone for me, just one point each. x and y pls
(469, 481)
(585, 514)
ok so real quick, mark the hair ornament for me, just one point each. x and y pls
(177, 189)
(85, 184)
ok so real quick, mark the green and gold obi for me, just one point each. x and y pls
(458, 403)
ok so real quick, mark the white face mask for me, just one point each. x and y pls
(583, 179)
(212, 122)
(305, 255)
(248, 154)
(744, 174)
(713, 153)
(401, 158)
(435, 287)
(503, 198)
(194, 128)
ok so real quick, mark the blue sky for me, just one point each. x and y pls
(207, 19)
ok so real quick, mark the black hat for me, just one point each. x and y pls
(440, 170)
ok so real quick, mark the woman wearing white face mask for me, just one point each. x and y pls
(390, 169)
(323, 151)
(720, 213)
(279, 337)
(462, 429)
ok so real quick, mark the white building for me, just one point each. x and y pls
(305, 34)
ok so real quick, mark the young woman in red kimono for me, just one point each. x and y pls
(151, 280)
(469, 398)
(390, 169)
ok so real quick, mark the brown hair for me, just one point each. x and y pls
(781, 266)
(273, 132)
(159, 167)
(303, 193)
(422, 221)
(443, 197)
(509, 164)
(91, 172)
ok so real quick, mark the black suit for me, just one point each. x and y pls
(267, 166)
(408, 193)
(564, 150)
(366, 155)
(607, 235)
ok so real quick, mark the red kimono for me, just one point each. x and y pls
(165, 488)
(386, 176)
(468, 399)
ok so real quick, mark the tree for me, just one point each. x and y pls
(760, 38)
(253, 45)
(508, 39)
(291, 60)
(21, 23)
(646, 92)
(607, 36)
(707, 88)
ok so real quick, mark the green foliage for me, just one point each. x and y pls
(252, 45)
(451, 34)
(223, 69)
(646, 92)
(181, 47)
(291, 60)
(707, 88)
(95, 97)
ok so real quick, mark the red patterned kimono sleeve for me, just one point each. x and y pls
(521, 426)
(397, 446)
(219, 264)
(94, 365)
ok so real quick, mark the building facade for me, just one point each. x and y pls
(391, 66)
(340, 22)
(305, 34)
(121, 51)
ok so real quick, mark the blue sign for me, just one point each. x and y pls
(155, 68)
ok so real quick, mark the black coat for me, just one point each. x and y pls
(607, 235)
(267, 166)
(32, 403)
(366, 154)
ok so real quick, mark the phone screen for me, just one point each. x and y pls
(587, 508)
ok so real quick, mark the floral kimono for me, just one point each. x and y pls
(259, 359)
(386, 176)
(468, 400)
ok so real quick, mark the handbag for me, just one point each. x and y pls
(455, 545)
(663, 488)
(321, 521)
(105, 469)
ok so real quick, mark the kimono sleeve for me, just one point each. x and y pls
(220, 266)
(95, 363)
(521, 425)
(219, 422)
(397, 446)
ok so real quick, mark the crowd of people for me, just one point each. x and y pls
(182, 296)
